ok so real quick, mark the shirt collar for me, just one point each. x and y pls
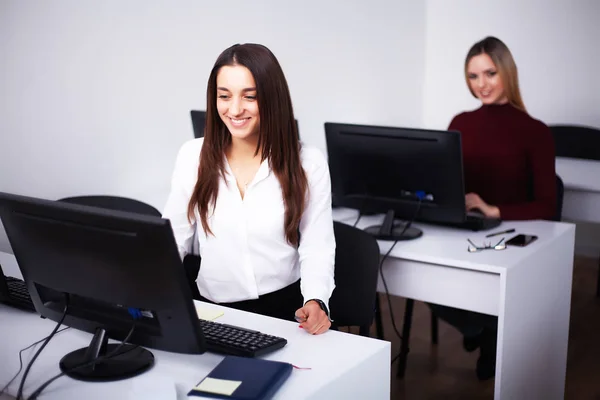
(263, 172)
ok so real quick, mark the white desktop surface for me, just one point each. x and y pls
(529, 289)
(342, 365)
(448, 246)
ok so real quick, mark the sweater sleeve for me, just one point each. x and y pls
(455, 124)
(541, 162)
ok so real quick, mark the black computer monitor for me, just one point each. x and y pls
(198, 122)
(100, 264)
(405, 173)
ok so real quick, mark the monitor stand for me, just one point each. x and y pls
(131, 360)
(390, 231)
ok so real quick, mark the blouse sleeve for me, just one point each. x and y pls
(182, 186)
(317, 241)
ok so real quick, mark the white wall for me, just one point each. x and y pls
(556, 45)
(96, 95)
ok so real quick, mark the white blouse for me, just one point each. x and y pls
(248, 255)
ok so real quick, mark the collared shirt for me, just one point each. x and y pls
(248, 254)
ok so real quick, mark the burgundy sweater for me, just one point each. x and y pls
(508, 160)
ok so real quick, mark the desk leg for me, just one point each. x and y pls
(378, 323)
(434, 329)
(404, 349)
(533, 323)
(598, 283)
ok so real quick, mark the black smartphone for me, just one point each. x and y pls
(521, 240)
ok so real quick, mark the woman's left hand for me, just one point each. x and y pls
(315, 321)
(473, 201)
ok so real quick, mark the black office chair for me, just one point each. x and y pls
(114, 203)
(576, 141)
(356, 267)
(191, 263)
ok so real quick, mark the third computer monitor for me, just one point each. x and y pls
(405, 173)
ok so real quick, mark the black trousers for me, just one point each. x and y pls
(281, 304)
(469, 323)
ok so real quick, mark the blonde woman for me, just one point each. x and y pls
(508, 160)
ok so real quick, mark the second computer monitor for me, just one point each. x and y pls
(198, 122)
(406, 173)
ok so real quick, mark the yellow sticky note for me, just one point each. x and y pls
(218, 386)
(208, 314)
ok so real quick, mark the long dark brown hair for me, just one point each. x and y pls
(504, 61)
(278, 140)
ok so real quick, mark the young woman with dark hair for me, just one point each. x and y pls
(258, 201)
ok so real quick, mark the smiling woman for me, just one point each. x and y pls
(236, 101)
(238, 109)
(257, 201)
(508, 156)
(508, 162)
(491, 73)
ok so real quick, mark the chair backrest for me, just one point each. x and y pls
(356, 267)
(191, 263)
(576, 141)
(114, 203)
(560, 191)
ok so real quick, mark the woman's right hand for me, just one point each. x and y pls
(474, 202)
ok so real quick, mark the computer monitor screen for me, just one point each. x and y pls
(198, 122)
(99, 264)
(404, 173)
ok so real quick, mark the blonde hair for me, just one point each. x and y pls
(504, 62)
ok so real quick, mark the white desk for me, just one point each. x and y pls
(581, 200)
(529, 289)
(344, 366)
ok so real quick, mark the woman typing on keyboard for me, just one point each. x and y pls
(508, 159)
(255, 199)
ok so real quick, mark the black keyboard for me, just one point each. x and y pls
(237, 341)
(479, 223)
(18, 293)
(476, 222)
(220, 338)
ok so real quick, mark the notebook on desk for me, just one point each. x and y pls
(240, 378)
